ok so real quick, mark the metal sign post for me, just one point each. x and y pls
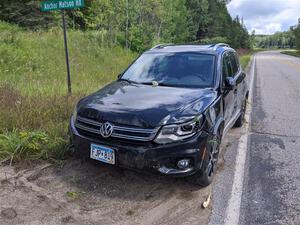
(62, 5)
(66, 51)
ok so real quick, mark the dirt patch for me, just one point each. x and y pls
(8, 213)
(86, 192)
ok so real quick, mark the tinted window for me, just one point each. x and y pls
(234, 63)
(237, 60)
(173, 69)
(227, 68)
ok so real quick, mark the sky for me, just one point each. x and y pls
(266, 16)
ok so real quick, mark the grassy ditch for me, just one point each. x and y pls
(292, 53)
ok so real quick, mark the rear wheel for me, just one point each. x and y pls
(241, 119)
(209, 166)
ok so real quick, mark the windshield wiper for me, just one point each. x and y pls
(128, 81)
(155, 84)
(146, 83)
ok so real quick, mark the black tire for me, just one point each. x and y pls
(240, 121)
(205, 176)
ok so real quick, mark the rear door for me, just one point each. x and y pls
(239, 78)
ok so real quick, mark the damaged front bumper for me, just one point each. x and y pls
(149, 156)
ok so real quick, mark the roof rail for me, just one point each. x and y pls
(161, 45)
(216, 46)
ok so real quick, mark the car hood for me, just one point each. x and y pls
(143, 105)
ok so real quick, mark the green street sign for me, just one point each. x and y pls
(61, 4)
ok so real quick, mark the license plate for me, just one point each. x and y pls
(103, 154)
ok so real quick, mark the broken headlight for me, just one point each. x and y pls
(177, 132)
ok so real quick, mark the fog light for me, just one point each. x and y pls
(184, 163)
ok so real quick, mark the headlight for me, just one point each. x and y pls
(171, 133)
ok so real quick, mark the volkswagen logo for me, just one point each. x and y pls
(106, 130)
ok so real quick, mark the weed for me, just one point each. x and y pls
(73, 195)
(130, 212)
(19, 145)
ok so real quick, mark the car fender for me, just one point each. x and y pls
(214, 116)
(219, 125)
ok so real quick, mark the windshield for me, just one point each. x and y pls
(173, 69)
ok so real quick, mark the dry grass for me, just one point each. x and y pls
(33, 127)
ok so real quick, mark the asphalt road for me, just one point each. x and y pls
(271, 193)
(260, 181)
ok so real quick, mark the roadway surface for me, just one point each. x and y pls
(269, 176)
(271, 192)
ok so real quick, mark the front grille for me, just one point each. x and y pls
(92, 128)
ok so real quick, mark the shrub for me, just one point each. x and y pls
(23, 145)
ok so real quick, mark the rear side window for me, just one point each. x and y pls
(226, 68)
(234, 63)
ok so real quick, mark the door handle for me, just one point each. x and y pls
(235, 91)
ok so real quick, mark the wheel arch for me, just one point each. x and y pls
(219, 126)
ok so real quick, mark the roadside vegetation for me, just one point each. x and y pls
(280, 40)
(245, 59)
(35, 108)
(292, 53)
(136, 24)
(104, 38)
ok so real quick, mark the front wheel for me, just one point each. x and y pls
(209, 165)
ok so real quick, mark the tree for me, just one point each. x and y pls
(296, 32)
(139, 24)
(26, 13)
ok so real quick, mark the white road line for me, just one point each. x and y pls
(234, 205)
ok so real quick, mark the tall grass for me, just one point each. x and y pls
(244, 60)
(33, 88)
(34, 62)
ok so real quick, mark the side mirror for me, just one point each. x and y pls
(119, 75)
(230, 83)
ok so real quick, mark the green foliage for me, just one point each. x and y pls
(26, 13)
(16, 146)
(34, 62)
(139, 24)
(33, 84)
(292, 53)
(244, 60)
(296, 32)
(206, 41)
(74, 195)
(277, 40)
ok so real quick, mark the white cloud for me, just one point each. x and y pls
(266, 16)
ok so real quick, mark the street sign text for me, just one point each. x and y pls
(62, 4)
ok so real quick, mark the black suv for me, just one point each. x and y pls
(166, 113)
